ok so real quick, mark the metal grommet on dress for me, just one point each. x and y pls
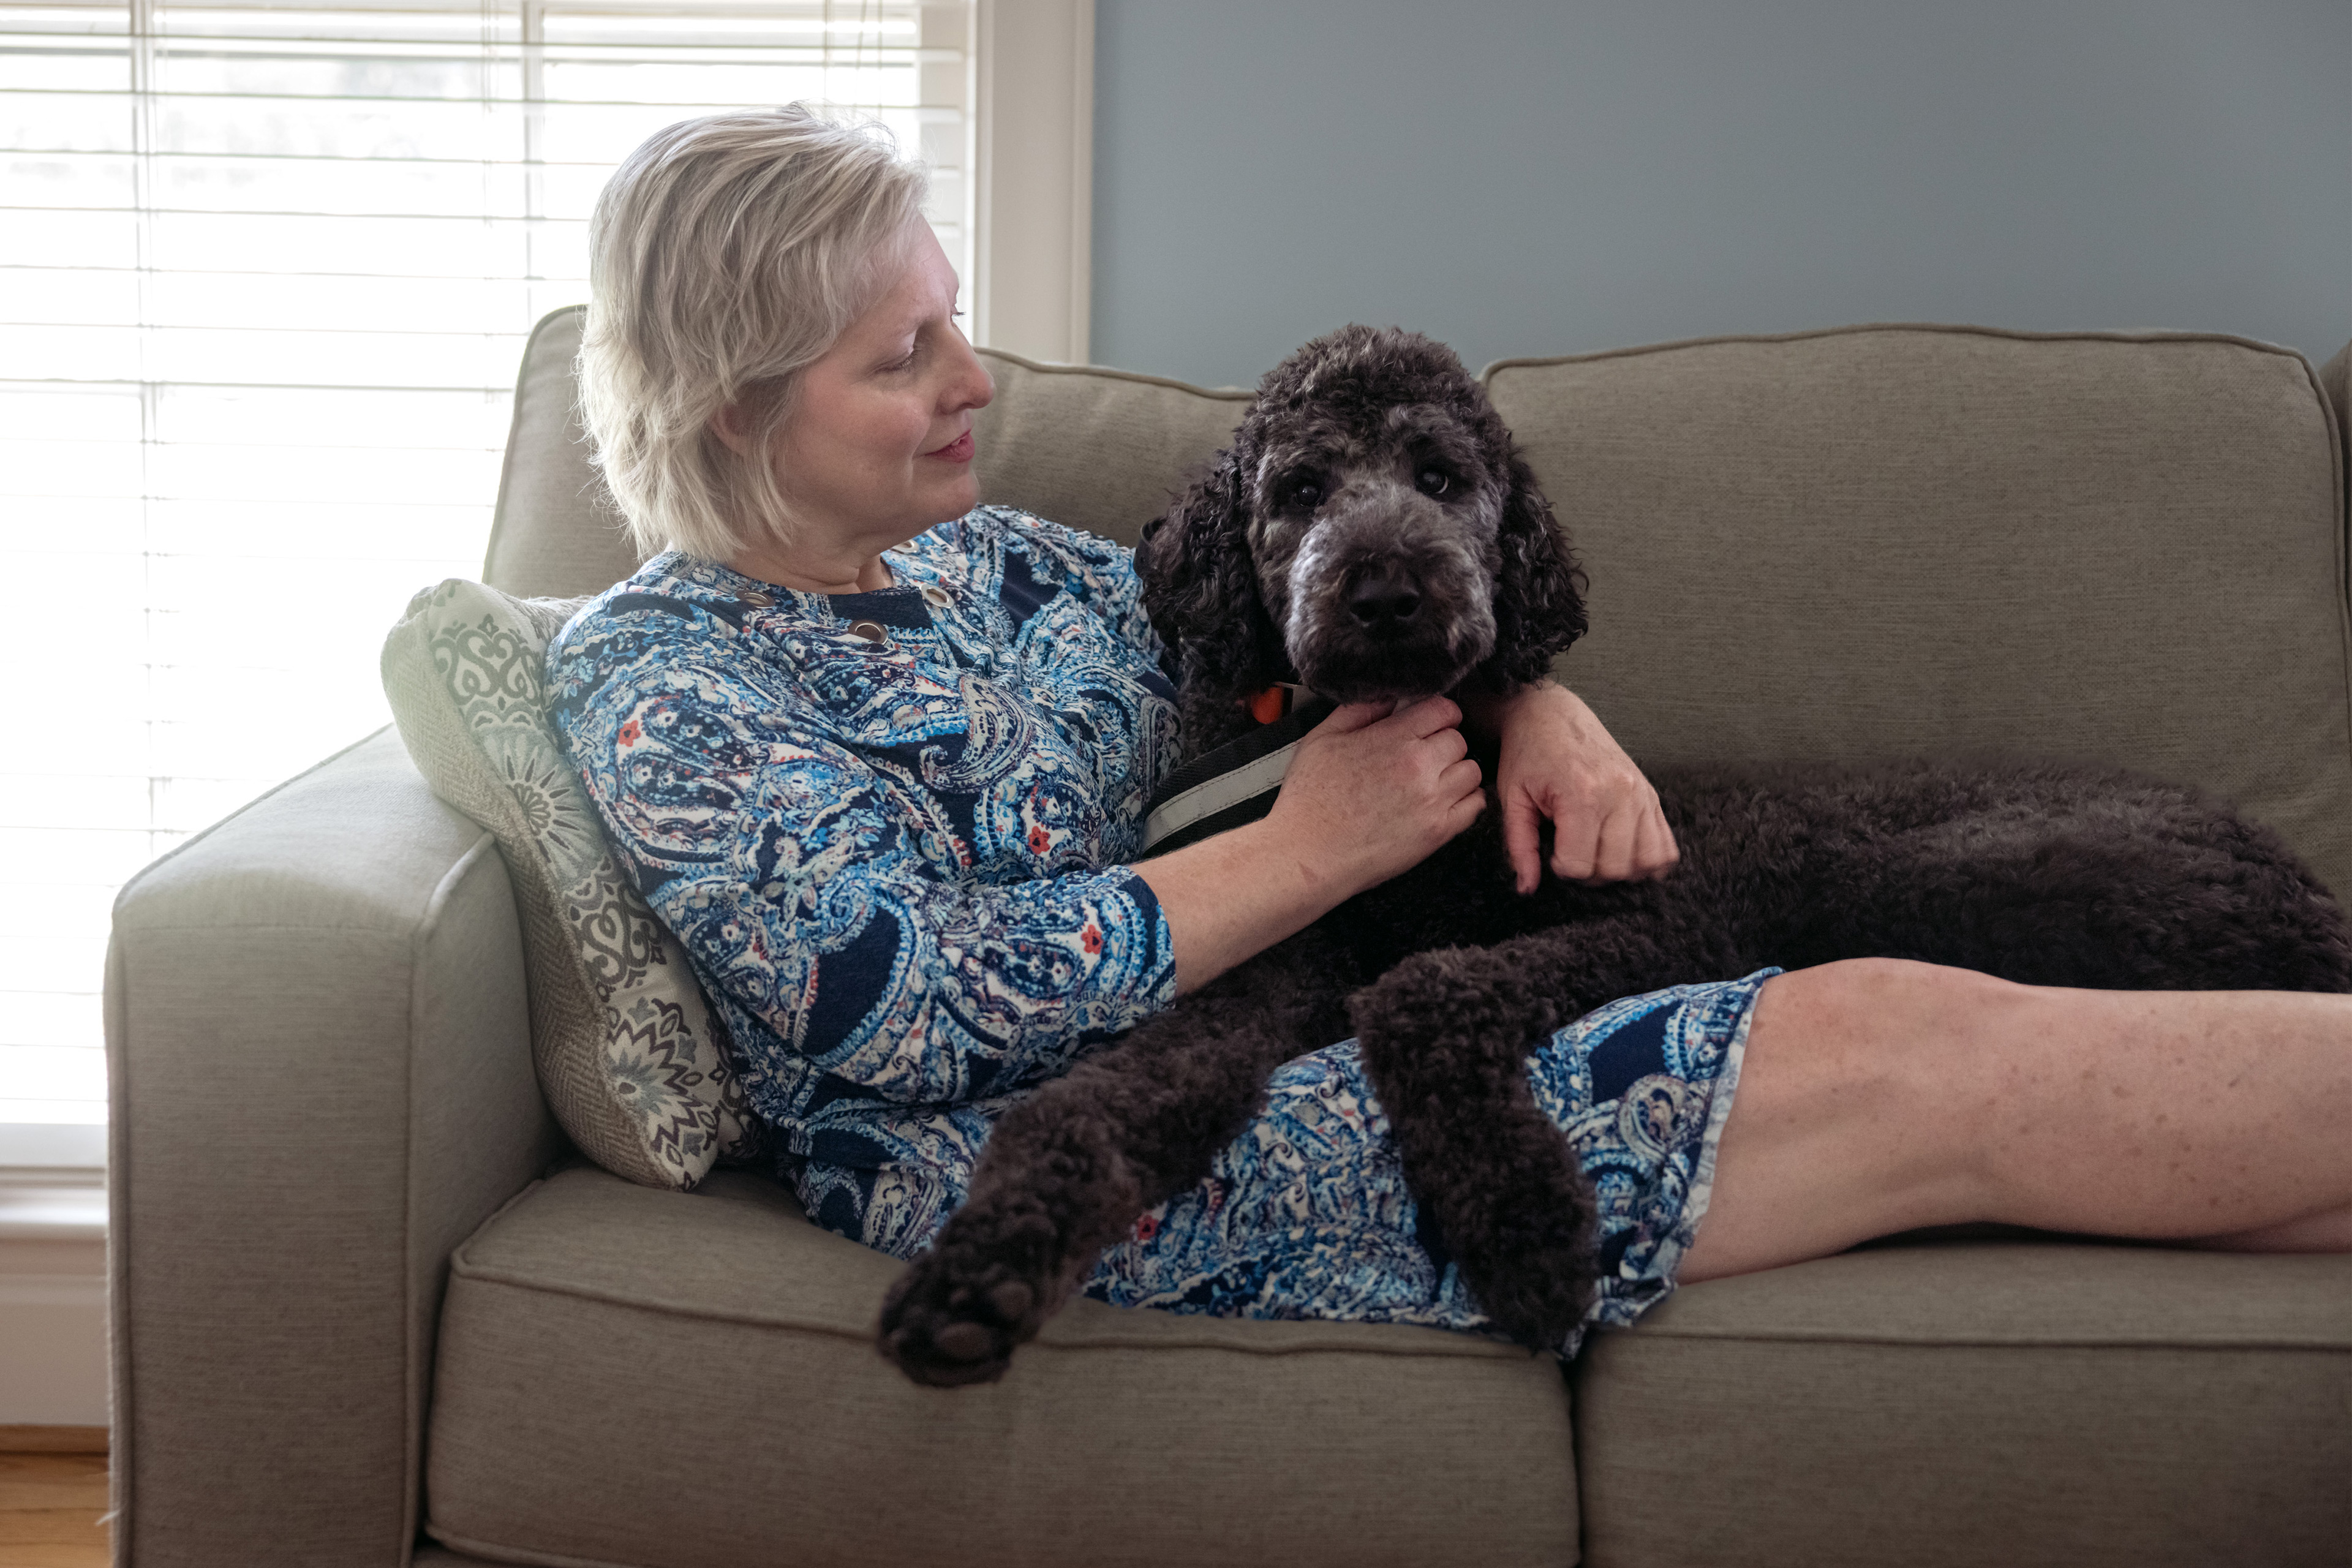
(937, 596)
(753, 596)
(870, 630)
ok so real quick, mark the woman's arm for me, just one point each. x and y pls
(1367, 796)
(824, 889)
(1558, 762)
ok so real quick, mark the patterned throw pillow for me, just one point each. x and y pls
(631, 1059)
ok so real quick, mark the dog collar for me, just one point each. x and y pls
(1275, 701)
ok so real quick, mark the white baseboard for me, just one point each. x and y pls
(52, 1304)
(52, 1351)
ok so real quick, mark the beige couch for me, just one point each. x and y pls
(359, 1291)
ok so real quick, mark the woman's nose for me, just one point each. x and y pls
(969, 385)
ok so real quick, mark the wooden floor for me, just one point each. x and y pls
(52, 1494)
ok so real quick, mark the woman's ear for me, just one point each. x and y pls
(1199, 586)
(1540, 600)
(730, 427)
(745, 420)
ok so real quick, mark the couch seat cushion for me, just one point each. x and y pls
(1969, 1402)
(628, 1375)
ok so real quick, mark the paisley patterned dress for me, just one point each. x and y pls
(891, 831)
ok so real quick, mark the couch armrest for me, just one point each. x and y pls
(319, 1061)
(2335, 379)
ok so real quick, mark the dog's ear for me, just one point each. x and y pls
(1539, 601)
(1199, 586)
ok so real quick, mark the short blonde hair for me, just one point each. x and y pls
(725, 257)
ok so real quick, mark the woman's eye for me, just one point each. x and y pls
(1434, 481)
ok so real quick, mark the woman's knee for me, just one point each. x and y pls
(1921, 1043)
(1850, 1120)
(1892, 1012)
(1886, 985)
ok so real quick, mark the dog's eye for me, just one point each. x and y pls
(1307, 492)
(1434, 481)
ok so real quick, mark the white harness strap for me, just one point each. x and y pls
(1212, 796)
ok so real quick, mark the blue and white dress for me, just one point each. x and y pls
(891, 832)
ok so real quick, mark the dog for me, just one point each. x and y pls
(1371, 533)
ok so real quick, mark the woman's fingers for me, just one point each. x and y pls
(1371, 791)
(1459, 781)
(1430, 715)
(1612, 860)
(1655, 853)
(1522, 841)
(1575, 847)
(1350, 717)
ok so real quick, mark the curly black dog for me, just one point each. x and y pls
(1371, 533)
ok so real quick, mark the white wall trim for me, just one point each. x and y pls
(53, 1366)
(1033, 220)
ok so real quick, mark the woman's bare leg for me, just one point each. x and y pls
(1878, 1096)
(2330, 1230)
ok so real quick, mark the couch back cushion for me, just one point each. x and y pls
(1870, 543)
(1101, 450)
(1882, 541)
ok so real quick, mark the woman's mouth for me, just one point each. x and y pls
(956, 451)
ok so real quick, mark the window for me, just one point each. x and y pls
(266, 271)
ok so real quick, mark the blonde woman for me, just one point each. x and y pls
(878, 755)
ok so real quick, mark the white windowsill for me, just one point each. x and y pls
(76, 1146)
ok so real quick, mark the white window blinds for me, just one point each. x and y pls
(266, 271)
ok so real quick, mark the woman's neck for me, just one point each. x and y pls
(850, 574)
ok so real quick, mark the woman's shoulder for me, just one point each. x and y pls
(672, 615)
(672, 596)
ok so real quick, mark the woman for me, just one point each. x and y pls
(878, 758)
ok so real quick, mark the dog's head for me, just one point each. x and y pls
(1370, 533)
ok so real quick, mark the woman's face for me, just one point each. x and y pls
(878, 446)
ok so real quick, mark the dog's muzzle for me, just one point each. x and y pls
(1387, 606)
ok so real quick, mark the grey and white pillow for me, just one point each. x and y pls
(633, 1061)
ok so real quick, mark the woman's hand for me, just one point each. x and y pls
(1370, 792)
(1558, 762)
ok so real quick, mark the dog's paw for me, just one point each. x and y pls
(956, 1314)
(1533, 1275)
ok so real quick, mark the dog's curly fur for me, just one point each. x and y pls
(1372, 530)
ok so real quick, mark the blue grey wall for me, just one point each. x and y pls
(1522, 178)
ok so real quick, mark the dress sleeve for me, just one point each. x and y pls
(824, 887)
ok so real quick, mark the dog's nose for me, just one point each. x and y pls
(1386, 599)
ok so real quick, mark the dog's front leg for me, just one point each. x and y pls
(1445, 1037)
(1065, 1172)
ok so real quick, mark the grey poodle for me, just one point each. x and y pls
(1372, 534)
